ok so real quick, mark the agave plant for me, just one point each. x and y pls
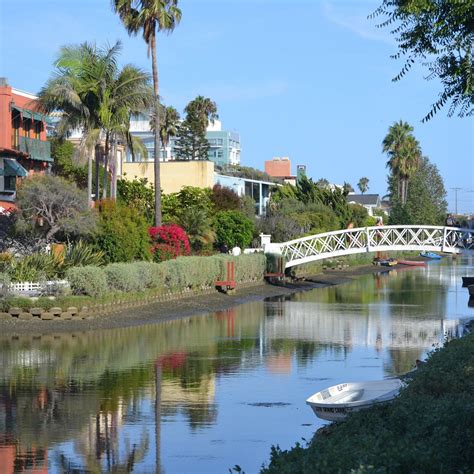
(35, 267)
(81, 254)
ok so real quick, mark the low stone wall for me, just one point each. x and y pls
(125, 301)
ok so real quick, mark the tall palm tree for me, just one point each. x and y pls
(148, 17)
(169, 124)
(403, 151)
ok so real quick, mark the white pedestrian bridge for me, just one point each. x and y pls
(388, 238)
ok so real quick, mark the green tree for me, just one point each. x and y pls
(233, 229)
(225, 199)
(426, 199)
(443, 32)
(363, 184)
(148, 17)
(169, 124)
(404, 153)
(122, 234)
(198, 226)
(95, 96)
(138, 195)
(191, 143)
(50, 206)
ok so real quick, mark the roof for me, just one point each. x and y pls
(364, 199)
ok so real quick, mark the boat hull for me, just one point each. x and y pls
(412, 263)
(337, 402)
(431, 255)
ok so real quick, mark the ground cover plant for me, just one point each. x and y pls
(429, 428)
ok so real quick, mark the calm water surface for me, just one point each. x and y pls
(208, 392)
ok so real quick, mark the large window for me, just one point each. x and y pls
(27, 125)
(37, 129)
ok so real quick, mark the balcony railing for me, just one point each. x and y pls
(38, 149)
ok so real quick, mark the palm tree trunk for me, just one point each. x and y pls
(97, 172)
(113, 170)
(89, 178)
(157, 133)
(106, 162)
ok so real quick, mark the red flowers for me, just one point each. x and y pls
(169, 241)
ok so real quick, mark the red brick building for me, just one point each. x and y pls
(280, 168)
(24, 149)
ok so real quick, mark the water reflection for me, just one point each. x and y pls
(203, 393)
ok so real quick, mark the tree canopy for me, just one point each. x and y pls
(440, 34)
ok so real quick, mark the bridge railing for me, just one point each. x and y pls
(373, 239)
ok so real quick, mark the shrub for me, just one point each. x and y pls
(123, 234)
(34, 267)
(169, 241)
(123, 277)
(4, 285)
(82, 254)
(89, 280)
(233, 229)
(224, 198)
(137, 195)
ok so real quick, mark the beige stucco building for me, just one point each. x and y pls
(174, 174)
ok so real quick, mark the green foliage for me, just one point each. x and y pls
(198, 226)
(34, 267)
(191, 142)
(123, 277)
(363, 184)
(225, 199)
(90, 281)
(247, 172)
(426, 198)
(122, 234)
(4, 284)
(66, 163)
(359, 215)
(50, 206)
(233, 229)
(189, 196)
(137, 195)
(429, 428)
(81, 254)
(441, 31)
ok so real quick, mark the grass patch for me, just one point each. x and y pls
(429, 428)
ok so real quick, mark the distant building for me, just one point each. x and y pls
(24, 149)
(224, 145)
(259, 191)
(369, 201)
(280, 168)
(300, 172)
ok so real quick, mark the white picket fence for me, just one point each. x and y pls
(33, 288)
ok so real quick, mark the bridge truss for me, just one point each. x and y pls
(373, 239)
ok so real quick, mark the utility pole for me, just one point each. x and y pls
(456, 198)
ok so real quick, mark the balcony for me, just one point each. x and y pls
(37, 149)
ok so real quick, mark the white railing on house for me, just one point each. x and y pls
(373, 239)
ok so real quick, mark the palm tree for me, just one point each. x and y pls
(150, 16)
(363, 184)
(96, 98)
(169, 124)
(403, 151)
(203, 110)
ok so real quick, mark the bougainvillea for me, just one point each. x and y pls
(169, 241)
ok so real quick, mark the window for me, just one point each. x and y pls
(9, 183)
(16, 121)
(27, 127)
(38, 126)
(220, 154)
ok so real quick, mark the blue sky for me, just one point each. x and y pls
(306, 79)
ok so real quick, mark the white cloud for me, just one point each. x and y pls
(343, 16)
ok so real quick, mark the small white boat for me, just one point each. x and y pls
(335, 403)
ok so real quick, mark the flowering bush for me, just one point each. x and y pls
(169, 241)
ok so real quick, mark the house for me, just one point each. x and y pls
(24, 149)
(369, 201)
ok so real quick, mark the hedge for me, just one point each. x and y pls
(172, 275)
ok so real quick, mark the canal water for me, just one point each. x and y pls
(206, 393)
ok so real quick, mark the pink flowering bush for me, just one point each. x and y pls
(168, 242)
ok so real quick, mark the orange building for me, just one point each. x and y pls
(24, 149)
(280, 168)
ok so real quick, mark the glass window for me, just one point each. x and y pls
(9, 183)
(37, 129)
(16, 119)
(27, 127)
